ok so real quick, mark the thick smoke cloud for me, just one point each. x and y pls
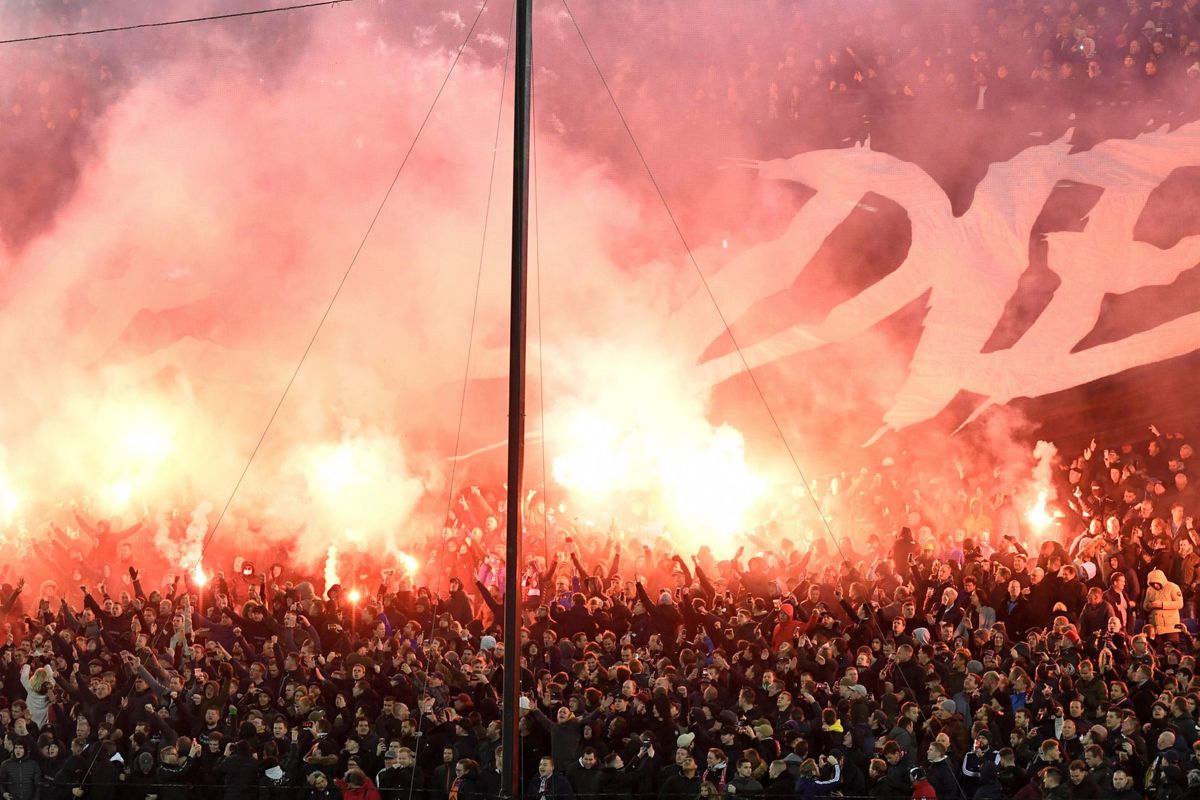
(166, 267)
(160, 317)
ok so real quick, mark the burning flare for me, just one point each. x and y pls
(1038, 516)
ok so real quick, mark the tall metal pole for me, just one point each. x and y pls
(511, 771)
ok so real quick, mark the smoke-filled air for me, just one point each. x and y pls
(182, 203)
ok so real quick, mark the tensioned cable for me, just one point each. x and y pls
(341, 283)
(699, 273)
(345, 275)
(716, 306)
(172, 22)
(462, 404)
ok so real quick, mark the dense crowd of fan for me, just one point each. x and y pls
(794, 55)
(930, 642)
(952, 649)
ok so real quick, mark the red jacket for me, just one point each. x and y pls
(784, 631)
(923, 790)
(365, 792)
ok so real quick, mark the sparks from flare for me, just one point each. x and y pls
(199, 577)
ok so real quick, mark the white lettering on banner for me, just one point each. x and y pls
(970, 266)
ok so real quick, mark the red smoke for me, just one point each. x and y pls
(185, 200)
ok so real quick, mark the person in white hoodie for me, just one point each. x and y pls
(37, 686)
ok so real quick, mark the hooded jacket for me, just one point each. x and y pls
(787, 626)
(1162, 604)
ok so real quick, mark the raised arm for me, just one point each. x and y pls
(643, 596)
(687, 573)
(86, 527)
(12, 598)
(496, 608)
(706, 586)
(127, 532)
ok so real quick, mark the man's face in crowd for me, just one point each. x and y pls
(588, 760)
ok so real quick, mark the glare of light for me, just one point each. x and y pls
(1038, 516)
(199, 577)
(355, 595)
(147, 439)
(410, 563)
(593, 461)
(10, 501)
(696, 475)
(117, 496)
(712, 488)
(336, 469)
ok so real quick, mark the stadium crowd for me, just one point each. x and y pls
(931, 643)
(950, 649)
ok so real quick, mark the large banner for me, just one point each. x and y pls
(967, 267)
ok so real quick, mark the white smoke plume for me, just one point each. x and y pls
(331, 567)
(180, 543)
